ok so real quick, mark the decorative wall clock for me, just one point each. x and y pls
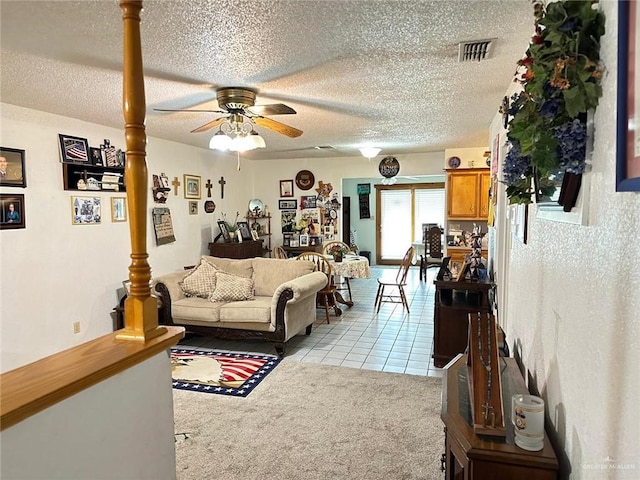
(389, 167)
(454, 162)
(305, 180)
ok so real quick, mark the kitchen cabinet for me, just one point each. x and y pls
(468, 194)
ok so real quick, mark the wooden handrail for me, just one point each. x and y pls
(32, 388)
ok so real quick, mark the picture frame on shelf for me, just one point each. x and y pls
(12, 171)
(85, 210)
(304, 240)
(244, 230)
(286, 239)
(628, 101)
(96, 157)
(73, 149)
(12, 212)
(288, 204)
(118, 209)
(192, 186)
(224, 230)
(314, 241)
(255, 235)
(286, 188)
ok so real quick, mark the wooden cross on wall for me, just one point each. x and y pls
(176, 184)
(209, 185)
(222, 184)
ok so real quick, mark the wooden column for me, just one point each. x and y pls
(140, 309)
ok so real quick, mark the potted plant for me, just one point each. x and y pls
(338, 251)
(231, 227)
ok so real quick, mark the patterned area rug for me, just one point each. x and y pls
(224, 373)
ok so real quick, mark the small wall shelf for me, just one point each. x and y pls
(72, 173)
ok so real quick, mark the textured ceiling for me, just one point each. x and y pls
(382, 73)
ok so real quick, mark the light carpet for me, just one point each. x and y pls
(309, 421)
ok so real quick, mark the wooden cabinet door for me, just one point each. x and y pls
(483, 193)
(462, 195)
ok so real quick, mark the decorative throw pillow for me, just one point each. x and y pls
(201, 281)
(231, 288)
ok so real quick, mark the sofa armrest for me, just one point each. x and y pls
(170, 281)
(168, 291)
(302, 287)
(294, 291)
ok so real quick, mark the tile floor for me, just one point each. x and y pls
(390, 341)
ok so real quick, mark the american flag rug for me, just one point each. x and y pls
(224, 373)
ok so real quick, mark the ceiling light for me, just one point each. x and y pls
(369, 152)
(220, 141)
(237, 136)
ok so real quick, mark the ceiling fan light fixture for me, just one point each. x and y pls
(256, 140)
(370, 152)
(220, 141)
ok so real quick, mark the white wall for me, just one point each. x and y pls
(121, 428)
(54, 273)
(573, 310)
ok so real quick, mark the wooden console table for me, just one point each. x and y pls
(246, 249)
(470, 456)
(454, 302)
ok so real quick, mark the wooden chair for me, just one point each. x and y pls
(432, 250)
(325, 252)
(279, 252)
(326, 296)
(398, 283)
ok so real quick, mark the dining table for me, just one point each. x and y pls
(351, 266)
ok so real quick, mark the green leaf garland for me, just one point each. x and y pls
(560, 75)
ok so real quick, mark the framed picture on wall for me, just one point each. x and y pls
(118, 209)
(286, 188)
(628, 136)
(12, 173)
(73, 149)
(287, 204)
(85, 210)
(12, 212)
(192, 186)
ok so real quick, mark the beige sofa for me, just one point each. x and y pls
(283, 303)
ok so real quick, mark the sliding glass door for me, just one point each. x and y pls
(401, 211)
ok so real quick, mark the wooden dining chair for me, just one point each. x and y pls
(395, 286)
(327, 295)
(432, 250)
(325, 252)
(279, 252)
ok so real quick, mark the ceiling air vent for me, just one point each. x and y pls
(476, 50)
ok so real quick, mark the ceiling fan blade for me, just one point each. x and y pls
(210, 125)
(277, 127)
(186, 110)
(273, 109)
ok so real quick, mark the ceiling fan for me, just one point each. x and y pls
(238, 104)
